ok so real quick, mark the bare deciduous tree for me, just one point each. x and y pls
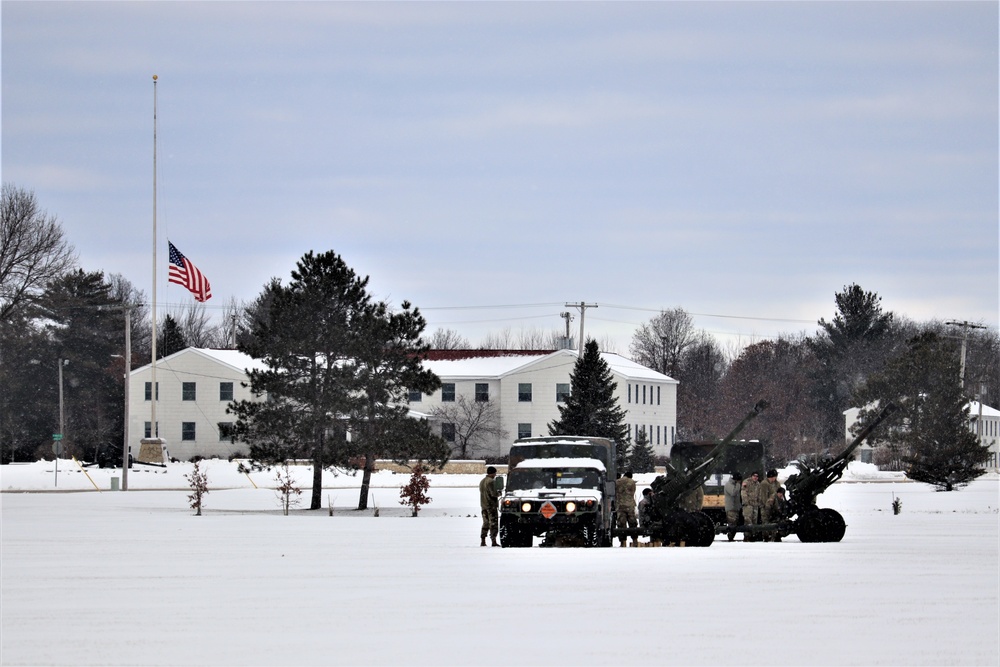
(661, 342)
(477, 424)
(447, 339)
(33, 250)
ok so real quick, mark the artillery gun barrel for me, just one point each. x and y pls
(805, 486)
(866, 431)
(671, 488)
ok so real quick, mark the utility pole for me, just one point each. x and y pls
(583, 311)
(569, 318)
(965, 340)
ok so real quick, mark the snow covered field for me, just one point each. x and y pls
(134, 578)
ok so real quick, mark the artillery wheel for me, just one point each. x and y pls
(810, 526)
(702, 531)
(834, 525)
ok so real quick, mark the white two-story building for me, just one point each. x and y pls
(196, 385)
(530, 386)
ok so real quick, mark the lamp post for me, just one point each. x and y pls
(57, 445)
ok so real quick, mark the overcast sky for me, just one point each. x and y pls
(744, 161)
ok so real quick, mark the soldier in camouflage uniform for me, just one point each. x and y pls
(646, 509)
(767, 489)
(488, 495)
(734, 503)
(625, 504)
(774, 511)
(752, 505)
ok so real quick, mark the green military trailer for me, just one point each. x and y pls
(743, 457)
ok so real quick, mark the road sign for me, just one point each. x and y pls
(57, 448)
(57, 436)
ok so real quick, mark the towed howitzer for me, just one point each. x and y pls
(673, 524)
(808, 522)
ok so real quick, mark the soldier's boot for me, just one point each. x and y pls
(495, 543)
(482, 541)
(635, 542)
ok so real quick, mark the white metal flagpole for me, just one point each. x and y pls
(153, 395)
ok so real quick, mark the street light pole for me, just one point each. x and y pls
(62, 418)
(128, 377)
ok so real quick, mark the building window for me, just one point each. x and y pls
(562, 392)
(482, 392)
(187, 431)
(447, 392)
(145, 427)
(448, 432)
(415, 396)
(657, 394)
(149, 391)
(225, 391)
(629, 392)
(524, 392)
(644, 394)
(188, 390)
(225, 430)
(523, 431)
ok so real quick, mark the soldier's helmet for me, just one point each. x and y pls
(772, 473)
(737, 477)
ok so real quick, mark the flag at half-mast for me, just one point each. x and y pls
(183, 272)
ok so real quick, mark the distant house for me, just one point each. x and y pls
(196, 384)
(530, 386)
(983, 421)
(194, 387)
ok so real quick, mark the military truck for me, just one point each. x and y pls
(559, 488)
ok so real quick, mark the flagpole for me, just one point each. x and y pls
(153, 431)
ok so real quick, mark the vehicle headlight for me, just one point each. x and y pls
(526, 507)
(570, 507)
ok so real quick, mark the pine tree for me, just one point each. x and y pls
(847, 350)
(303, 334)
(932, 425)
(591, 408)
(641, 456)
(171, 338)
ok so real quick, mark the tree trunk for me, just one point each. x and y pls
(317, 485)
(366, 479)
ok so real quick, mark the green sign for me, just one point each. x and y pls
(57, 436)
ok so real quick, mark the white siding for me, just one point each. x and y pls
(206, 412)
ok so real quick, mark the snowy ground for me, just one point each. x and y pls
(116, 578)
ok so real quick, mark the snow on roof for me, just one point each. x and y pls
(494, 364)
(987, 410)
(232, 358)
(562, 462)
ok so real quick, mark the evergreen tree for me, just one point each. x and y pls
(303, 334)
(932, 425)
(591, 408)
(641, 455)
(337, 364)
(171, 338)
(387, 356)
(86, 328)
(847, 350)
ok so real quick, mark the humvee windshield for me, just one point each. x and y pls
(551, 450)
(526, 479)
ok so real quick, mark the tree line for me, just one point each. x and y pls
(52, 312)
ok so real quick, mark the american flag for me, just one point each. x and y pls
(183, 272)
